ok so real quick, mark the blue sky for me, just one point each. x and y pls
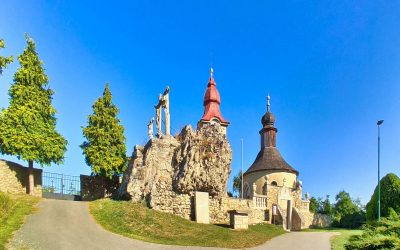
(332, 69)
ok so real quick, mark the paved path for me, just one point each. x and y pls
(300, 241)
(68, 225)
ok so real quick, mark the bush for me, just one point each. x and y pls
(386, 235)
(390, 198)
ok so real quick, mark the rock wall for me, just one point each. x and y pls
(219, 208)
(309, 219)
(97, 187)
(14, 178)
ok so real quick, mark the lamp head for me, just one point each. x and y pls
(379, 122)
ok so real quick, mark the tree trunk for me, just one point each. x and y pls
(31, 179)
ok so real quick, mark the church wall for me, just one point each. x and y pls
(219, 208)
(260, 179)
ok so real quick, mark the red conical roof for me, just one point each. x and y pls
(212, 102)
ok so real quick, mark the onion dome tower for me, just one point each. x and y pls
(212, 113)
(269, 159)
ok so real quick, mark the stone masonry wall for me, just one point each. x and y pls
(219, 208)
(14, 178)
(97, 187)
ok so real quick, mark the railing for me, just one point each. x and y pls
(61, 184)
(260, 201)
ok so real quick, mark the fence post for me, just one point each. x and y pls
(62, 183)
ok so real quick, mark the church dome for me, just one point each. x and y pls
(268, 119)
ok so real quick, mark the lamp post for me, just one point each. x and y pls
(379, 123)
(241, 171)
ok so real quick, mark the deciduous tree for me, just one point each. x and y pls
(28, 125)
(104, 148)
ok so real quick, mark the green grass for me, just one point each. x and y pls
(139, 222)
(13, 210)
(338, 242)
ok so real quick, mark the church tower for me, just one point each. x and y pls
(212, 113)
(269, 168)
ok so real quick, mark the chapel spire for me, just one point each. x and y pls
(268, 132)
(211, 102)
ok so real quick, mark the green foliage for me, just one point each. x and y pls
(321, 206)
(13, 210)
(237, 182)
(313, 205)
(348, 213)
(28, 125)
(105, 149)
(136, 221)
(345, 212)
(326, 206)
(390, 197)
(4, 61)
(386, 235)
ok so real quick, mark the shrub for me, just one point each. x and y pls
(390, 198)
(386, 235)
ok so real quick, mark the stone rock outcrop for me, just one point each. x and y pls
(165, 172)
(150, 169)
(202, 161)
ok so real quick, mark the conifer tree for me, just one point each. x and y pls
(105, 150)
(28, 125)
(4, 61)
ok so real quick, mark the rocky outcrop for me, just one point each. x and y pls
(165, 172)
(202, 161)
(150, 170)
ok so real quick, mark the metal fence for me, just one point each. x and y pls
(61, 184)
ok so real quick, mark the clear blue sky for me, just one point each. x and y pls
(332, 68)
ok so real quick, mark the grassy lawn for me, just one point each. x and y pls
(13, 210)
(138, 222)
(338, 242)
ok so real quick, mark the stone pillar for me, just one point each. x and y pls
(289, 215)
(201, 207)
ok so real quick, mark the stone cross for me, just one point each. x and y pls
(159, 115)
(150, 128)
(165, 105)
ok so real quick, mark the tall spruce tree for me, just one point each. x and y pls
(28, 125)
(105, 150)
(4, 61)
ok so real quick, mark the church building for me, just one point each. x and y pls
(272, 181)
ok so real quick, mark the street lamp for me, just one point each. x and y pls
(379, 123)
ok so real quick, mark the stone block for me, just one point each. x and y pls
(201, 207)
(239, 219)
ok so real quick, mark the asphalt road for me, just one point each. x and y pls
(68, 225)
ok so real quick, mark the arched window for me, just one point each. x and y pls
(265, 189)
(274, 183)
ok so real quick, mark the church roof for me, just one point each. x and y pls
(212, 101)
(269, 158)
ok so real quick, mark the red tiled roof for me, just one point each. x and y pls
(212, 102)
